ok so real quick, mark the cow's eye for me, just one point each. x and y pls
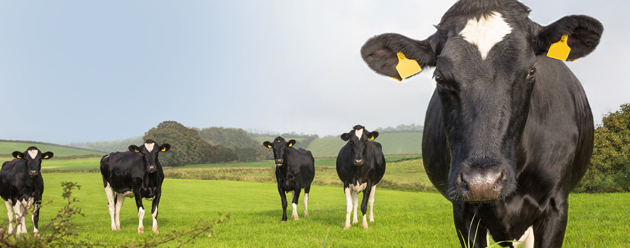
(439, 79)
(531, 72)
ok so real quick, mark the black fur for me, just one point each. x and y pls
(506, 138)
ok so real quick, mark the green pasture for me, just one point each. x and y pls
(393, 143)
(319, 162)
(402, 219)
(10, 147)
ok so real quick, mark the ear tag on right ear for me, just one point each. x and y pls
(137, 150)
(269, 146)
(407, 67)
(560, 50)
(18, 156)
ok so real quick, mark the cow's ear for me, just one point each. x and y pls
(48, 155)
(291, 143)
(18, 155)
(134, 148)
(383, 54)
(267, 144)
(165, 147)
(345, 136)
(581, 33)
(373, 135)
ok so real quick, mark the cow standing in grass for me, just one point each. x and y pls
(136, 173)
(360, 166)
(509, 131)
(22, 185)
(295, 170)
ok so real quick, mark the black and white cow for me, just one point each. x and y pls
(360, 166)
(136, 173)
(509, 131)
(295, 170)
(22, 185)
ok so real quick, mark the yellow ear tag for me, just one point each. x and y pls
(164, 149)
(46, 156)
(372, 138)
(269, 146)
(290, 145)
(560, 50)
(18, 156)
(407, 67)
(137, 150)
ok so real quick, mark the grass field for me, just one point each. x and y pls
(393, 143)
(403, 219)
(10, 147)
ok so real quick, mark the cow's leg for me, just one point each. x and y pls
(367, 193)
(470, 232)
(348, 207)
(17, 208)
(21, 216)
(371, 202)
(306, 191)
(35, 217)
(111, 204)
(120, 198)
(355, 203)
(154, 212)
(296, 198)
(549, 231)
(283, 198)
(9, 206)
(138, 198)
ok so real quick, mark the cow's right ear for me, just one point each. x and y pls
(581, 33)
(381, 53)
(134, 148)
(267, 144)
(165, 147)
(345, 136)
(18, 155)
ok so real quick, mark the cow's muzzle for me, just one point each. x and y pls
(152, 168)
(279, 162)
(33, 173)
(358, 162)
(484, 186)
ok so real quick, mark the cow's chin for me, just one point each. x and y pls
(278, 165)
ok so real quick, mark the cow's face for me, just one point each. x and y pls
(33, 158)
(279, 145)
(150, 151)
(485, 57)
(358, 139)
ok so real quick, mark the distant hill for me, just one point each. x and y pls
(110, 146)
(393, 143)
(9, 146)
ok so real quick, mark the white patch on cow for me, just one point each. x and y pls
(527, 239)
(358, 187)
(155, 225)
(150, 198)
(371, 202)
(9, 205)
(365, 223)
(355, 203)
(120, 199)
(33, 153)
(140, 217)
(305, 204)
(149, 146)
(295, 214)
(109, 192)
(486, 32)
(348, 193)
(358, 133)
(127, 194)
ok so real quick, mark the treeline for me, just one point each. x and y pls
(109, 146)
(413, 128)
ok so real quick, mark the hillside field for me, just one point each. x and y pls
(402, 219)
(393, 143)
(10, 147)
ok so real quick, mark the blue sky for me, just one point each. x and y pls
(76, 71)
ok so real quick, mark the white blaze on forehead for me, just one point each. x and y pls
(33, 153)
(486, 32)
(358, 133)
(149, 146)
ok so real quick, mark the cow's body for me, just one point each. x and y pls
(360, 166)
(509, 131)
(131, 174)
(295, 170)
(22, 185)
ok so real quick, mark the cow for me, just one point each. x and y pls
(509, 131)
(136, 173)
(295, 170)
(22, 186)
(360, 166)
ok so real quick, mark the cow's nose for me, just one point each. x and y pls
(358, 162)
(151, 168)
(279, 162)
(484, 186)
(33, 173)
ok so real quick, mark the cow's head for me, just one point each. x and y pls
(358, 138)
(485, 55)
(279, 145)
(33, 158)
(150, 151)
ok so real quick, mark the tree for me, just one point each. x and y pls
(609, 170)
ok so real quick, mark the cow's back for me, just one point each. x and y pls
(302, 162)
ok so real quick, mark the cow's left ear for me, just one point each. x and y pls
(18, 155)
(582, 35)
(134, 148)
(165, 147)
(386, 52)
(48, 155)
(345, 136)
(373, 135)
(291, 143)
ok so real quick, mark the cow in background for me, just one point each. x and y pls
(360, 166)
(136, 173)
(295, 170)
(22, 185)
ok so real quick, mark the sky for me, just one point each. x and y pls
(85, 71)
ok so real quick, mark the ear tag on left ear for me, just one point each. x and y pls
(137, 150)
(290, 145)
(269, 146)
(407, 67)
(46, 156)
(164, 149)
(372, 138)
(560, 50)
